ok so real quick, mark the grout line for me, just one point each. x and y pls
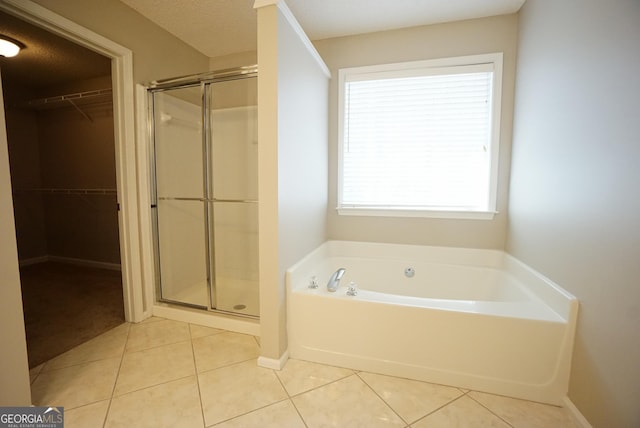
(195, 368)
(383, 400)
(37, 375)
(322, 386)
(227, 365)
(247, 413)
(115, 382)
(251, 411)
(309, 390)
(298, 412)
(289, 398)
(281, 383)
(491, 411)
(151, 320)
(80, 363)
(156, 346)
(152, 386)
(82, 406)
(141, 325)
(441, 407)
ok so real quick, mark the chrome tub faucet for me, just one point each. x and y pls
(334, 281)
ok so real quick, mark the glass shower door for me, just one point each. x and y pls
(234, 195)
(181, 205)
(205, 148)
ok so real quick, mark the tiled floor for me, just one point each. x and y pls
(163, 373)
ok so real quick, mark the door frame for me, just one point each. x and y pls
(134, 250)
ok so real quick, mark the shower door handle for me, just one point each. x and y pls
(241, 201)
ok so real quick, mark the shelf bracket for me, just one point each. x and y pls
(86, 116)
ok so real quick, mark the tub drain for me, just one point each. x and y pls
(239, 307)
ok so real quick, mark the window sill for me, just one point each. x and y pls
(400, 212)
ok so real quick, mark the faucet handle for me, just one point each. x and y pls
(313, 283)
(353, 289)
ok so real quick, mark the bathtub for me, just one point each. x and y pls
(471, 318)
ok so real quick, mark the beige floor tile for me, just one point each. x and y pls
(234, 390)
(300, 376)
(346, 403)
(151, 319)
(462, 413)
(107, 345)
(279, 415)
(202, 331)
(172, 404)
(522, 413)
(77, 385)
(34, 372)
(411, 399)
(222, 349)
(89, 416)
(154, 366)
(157, 333)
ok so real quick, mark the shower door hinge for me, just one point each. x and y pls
(118, 206)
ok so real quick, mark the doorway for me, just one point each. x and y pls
(60, 128)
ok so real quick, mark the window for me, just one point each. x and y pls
(420, 138)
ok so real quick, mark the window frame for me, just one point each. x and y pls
(426, 67)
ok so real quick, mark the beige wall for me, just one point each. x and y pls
(58, 148)
(302, 148)
(575, 183)
(496, 34)
(24, 154)
(14, 370)
(239, 59)
(78, 153)
(292, 164)
(157, 54)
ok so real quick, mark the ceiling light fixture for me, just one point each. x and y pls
(9, 47)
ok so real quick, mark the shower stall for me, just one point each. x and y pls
(205, 190)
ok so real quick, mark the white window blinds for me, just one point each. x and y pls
(417, 139)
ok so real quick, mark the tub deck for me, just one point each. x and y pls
(517, 345)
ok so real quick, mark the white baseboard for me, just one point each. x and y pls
(83, 262)
(272, 363)
(71, 261)
(33, 261)
(578, 417)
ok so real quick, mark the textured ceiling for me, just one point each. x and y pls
(47, 60)
(221, 27)
(214, 27)
(322, 19)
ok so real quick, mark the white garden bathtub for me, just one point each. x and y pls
(476, 319)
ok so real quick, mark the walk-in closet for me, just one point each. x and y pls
(59, 118)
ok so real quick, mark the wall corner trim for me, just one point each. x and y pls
(297, 28)
(272, 363)
(578, 417)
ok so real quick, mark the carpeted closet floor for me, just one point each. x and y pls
(66, 305)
